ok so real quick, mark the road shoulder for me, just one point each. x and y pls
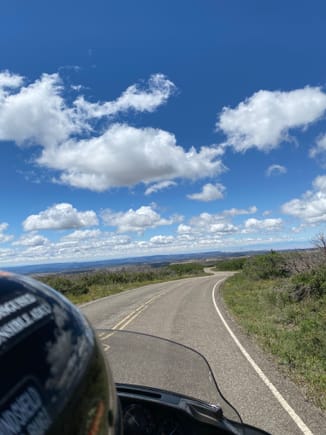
(313, 417)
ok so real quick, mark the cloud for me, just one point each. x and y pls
(98, 155)
(240, 211)
(4, 238)
(204, 232)
(78, 245)
(205, 219)
(275, 170)
(79, 235)
(3, 226)
(319, 183)
(94, 239)
(253, 225)
(9, 81)
(184, 229)
(319, 151)
(125, 156)
(210, 192)
(6, 254)
(311, 207)
(265, 119)
(222, 228)
(36, 114)
(207, 223)
(31, 239)
(161, 240)
(137, 221)
(219, 226)
(60, 217)
(135, 97)
(159, 186)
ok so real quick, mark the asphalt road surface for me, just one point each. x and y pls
(191, 312)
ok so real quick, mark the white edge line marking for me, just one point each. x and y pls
(260, 373)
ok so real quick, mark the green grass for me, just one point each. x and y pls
(293, 331)
(101, 291)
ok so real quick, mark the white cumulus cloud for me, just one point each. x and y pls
(79, 235)
(96, 242)
(9, 81)
(311, 207)
(125, 156)
(211, 223)
(265, 119)
(92, 155)
(32, 239)
(4, 238)
(222, 228)
(275, 170)
(240, 211)
(135, 220)
(252, 225)
(184, 229)
(319, 151)
(210, 192)
(60, 217)
(159, 186)
(36, 114)
(139, 98)
(162, 240)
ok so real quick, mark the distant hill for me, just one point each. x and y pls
(91, 265)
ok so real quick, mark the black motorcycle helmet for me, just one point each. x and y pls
(54, 378)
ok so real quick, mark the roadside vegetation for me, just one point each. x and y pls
(231, 264)
(280, 299)
(86, 286)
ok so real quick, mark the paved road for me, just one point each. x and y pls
(184, 310)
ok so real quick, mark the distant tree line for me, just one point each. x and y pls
(231, 264)
(305, 270)
(77, 284)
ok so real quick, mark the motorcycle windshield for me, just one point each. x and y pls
(145, 360)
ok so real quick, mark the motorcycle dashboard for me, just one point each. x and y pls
(145, 411)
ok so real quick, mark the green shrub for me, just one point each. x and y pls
(185, 268)
(231, 264)
(309, 284)
(267, 266)
(66, 286)
(85, 286)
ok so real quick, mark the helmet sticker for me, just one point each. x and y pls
(24, 411)
(16, 304)
(30, 314)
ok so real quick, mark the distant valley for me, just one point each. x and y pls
(150, 260)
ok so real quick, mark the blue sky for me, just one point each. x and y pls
(154, 127)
